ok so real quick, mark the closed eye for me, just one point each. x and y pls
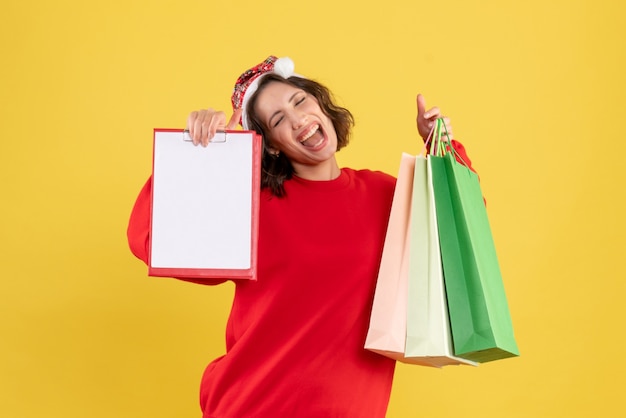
(280, 119)
(297, 98)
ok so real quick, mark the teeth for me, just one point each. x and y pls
(309, 133)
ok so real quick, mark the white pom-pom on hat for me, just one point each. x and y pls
(284, 67)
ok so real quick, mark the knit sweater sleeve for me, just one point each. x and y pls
(138, 231)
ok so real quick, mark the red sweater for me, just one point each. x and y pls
(295, 336)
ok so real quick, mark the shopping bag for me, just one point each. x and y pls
(428, 338)
(479, 315)
(387, 328)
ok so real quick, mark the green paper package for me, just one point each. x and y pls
(480, 320)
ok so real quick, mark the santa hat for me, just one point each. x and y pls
(248, 82)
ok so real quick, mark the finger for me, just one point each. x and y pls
(199, 127)
(215, 121)
(234, 119)
(191, 122)
(421, 105)
(218, 123)
(432, 113)
(207, 132)
(204, 124)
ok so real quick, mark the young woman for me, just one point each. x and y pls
(295, 336)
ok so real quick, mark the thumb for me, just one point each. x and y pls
(234, 119)
(421, 105)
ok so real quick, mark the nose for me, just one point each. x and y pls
(299, 119)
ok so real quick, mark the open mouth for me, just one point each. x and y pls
(313, 137)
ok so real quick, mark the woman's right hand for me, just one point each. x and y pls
(426, 120)
(203, 124)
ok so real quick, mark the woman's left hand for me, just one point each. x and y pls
(426, 119)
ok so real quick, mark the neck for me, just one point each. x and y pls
(328, 170)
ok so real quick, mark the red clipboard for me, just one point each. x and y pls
(205, 205)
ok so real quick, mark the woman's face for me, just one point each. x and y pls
(296, 125)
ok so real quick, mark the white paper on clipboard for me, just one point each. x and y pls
(205, 205)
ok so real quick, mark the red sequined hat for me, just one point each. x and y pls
(248, 82)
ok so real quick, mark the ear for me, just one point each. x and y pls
(271, 150)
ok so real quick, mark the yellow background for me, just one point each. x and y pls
(535, 90)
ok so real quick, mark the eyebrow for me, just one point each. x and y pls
(269, 121)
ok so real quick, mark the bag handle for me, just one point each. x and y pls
(434, 139)
(428, 141)
(439, 146)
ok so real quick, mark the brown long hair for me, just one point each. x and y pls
(276, 169)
